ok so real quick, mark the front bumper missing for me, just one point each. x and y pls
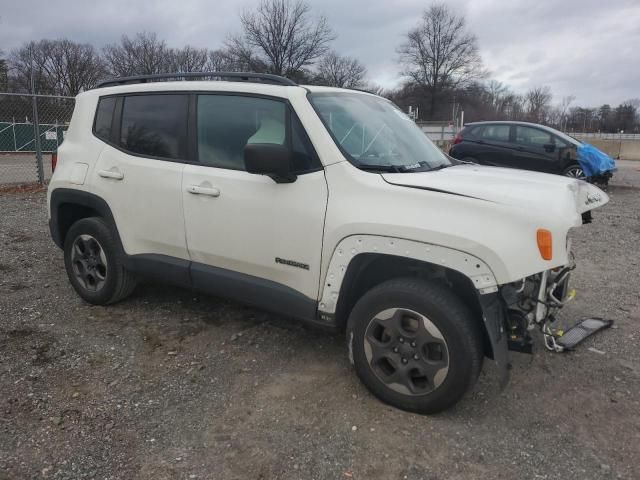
(510, 313)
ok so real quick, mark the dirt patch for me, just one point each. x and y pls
(24, 188)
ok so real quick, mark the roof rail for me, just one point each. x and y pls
(234, 76)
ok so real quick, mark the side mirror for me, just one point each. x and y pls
(269, 159)
(549, 147)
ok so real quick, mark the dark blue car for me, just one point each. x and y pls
(530, 146)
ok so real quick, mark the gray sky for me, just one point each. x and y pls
(586, 48)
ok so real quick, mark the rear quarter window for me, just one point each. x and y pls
(104, 118)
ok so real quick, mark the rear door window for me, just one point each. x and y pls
(155, 125)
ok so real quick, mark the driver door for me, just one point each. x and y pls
(248, 236)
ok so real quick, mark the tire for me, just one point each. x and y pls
(94, 264)
(574, 171)
(443, 363)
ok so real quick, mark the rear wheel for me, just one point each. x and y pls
(415, 345)
(575, 171)
(93, 263)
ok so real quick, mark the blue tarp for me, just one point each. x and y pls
(594, 161)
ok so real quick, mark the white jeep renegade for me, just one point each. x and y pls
(321, 204)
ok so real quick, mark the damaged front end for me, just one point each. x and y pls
(516, 308)
(534, 302)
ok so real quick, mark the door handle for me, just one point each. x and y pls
(114, 174)
(198, 190)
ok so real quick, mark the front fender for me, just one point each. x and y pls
(475, 269)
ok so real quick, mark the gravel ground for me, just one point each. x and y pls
(171, 385)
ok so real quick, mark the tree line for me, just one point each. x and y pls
(439, 60)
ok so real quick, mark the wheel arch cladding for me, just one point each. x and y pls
(349, 248)
(69, 205)
(367, 268)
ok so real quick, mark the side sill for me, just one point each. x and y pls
(258, 292)
(246, 289)
(161, 269)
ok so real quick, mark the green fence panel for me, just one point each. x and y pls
(20, 137)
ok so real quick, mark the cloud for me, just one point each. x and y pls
(587, 48)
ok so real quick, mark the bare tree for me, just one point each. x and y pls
(60, 67)
(28, 62)
(337, 71)
(141, 55)
(187, 59)
(280, 37)
(563, 110)
(439, 53)
(4, 73)
(235, 58)
(538, 102)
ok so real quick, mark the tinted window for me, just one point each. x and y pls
(227, 123)
(475, 131)
(104, 115)
(498, 133)
(532, 136)
(154, 125)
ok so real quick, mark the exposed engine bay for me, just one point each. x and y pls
(534, 302)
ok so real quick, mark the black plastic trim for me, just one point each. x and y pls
(61, 196)
(494, 316)
(161, 268)
(255, 291)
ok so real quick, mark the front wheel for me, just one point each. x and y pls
(415, 345)
(575, 171)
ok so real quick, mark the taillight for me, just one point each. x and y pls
(54, 161)
(458, 138)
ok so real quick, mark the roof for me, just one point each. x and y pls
(509, 122)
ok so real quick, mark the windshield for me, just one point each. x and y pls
(374, 134)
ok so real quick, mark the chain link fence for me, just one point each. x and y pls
(31, 129)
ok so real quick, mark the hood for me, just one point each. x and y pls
(507, 186)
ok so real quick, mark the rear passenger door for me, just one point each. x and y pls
(139, 171)
(248, 236)
(493, 145)
(536, 149)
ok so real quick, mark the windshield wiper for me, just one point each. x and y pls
(439, 167)
(379, 168)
